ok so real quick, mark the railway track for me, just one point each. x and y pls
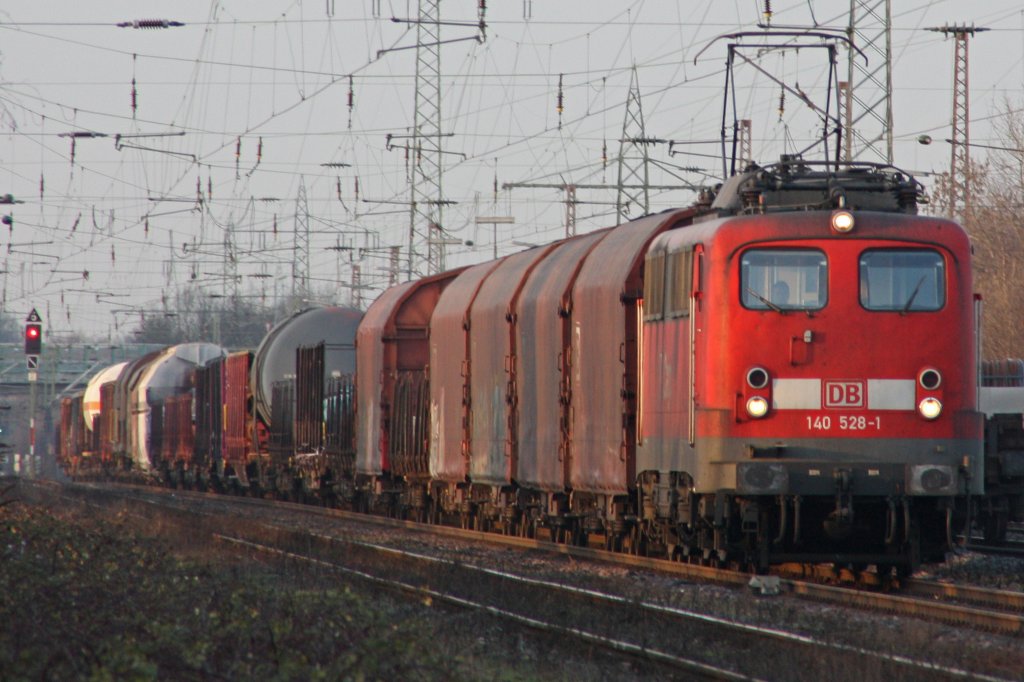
(697, 645)
(921, 599)
(1011, 548)
(982, 608)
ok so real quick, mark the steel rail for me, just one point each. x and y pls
(1002, 622)
(688, 665)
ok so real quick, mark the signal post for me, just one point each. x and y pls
(33, 349)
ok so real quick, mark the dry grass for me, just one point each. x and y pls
(86, 596)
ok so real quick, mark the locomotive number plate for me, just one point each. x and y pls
(844, 423)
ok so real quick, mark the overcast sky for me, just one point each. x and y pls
(246, 102)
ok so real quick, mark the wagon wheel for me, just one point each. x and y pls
(637, 540)
(581, 538)
(995, 527)
(481, 522)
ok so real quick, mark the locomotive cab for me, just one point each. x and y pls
(807, 359)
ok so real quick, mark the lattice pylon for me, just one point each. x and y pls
(426, 207)
(960, 156)
(960, 160)
(746, 143)
(868, 92)
(300, 263)
(633, 157)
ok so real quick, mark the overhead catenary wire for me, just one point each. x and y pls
(523, 146)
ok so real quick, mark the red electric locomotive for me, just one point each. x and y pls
(808, 373)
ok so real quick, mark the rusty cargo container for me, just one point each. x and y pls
(281, 438)
(237, 416)
(542, 373)
(107, 422)
(340, 422)
(606, 300)
(393, 353)
(309, 400)
(209, 427)
(449, 375)
(492, 357)
(74, 442)
(177, 441)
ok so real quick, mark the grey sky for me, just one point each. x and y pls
(238, 72)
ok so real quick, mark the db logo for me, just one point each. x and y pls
(844, 394)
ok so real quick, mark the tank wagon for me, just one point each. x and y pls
(139, 414)
(277, 458)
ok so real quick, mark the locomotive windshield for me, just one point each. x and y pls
(784, 279)
(902, 280)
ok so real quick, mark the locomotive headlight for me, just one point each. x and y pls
(930, 408)
(842, 221)
(757, 407)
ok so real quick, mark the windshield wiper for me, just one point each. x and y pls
(913, 295)
(768, 303)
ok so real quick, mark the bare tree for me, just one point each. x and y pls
(993, 221)
(233, 322)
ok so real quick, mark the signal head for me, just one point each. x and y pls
(33, 338)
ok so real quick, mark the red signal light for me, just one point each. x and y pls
(33, 338)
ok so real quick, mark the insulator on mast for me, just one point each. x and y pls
(559, 106)
(135, 100)
(351, 101)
